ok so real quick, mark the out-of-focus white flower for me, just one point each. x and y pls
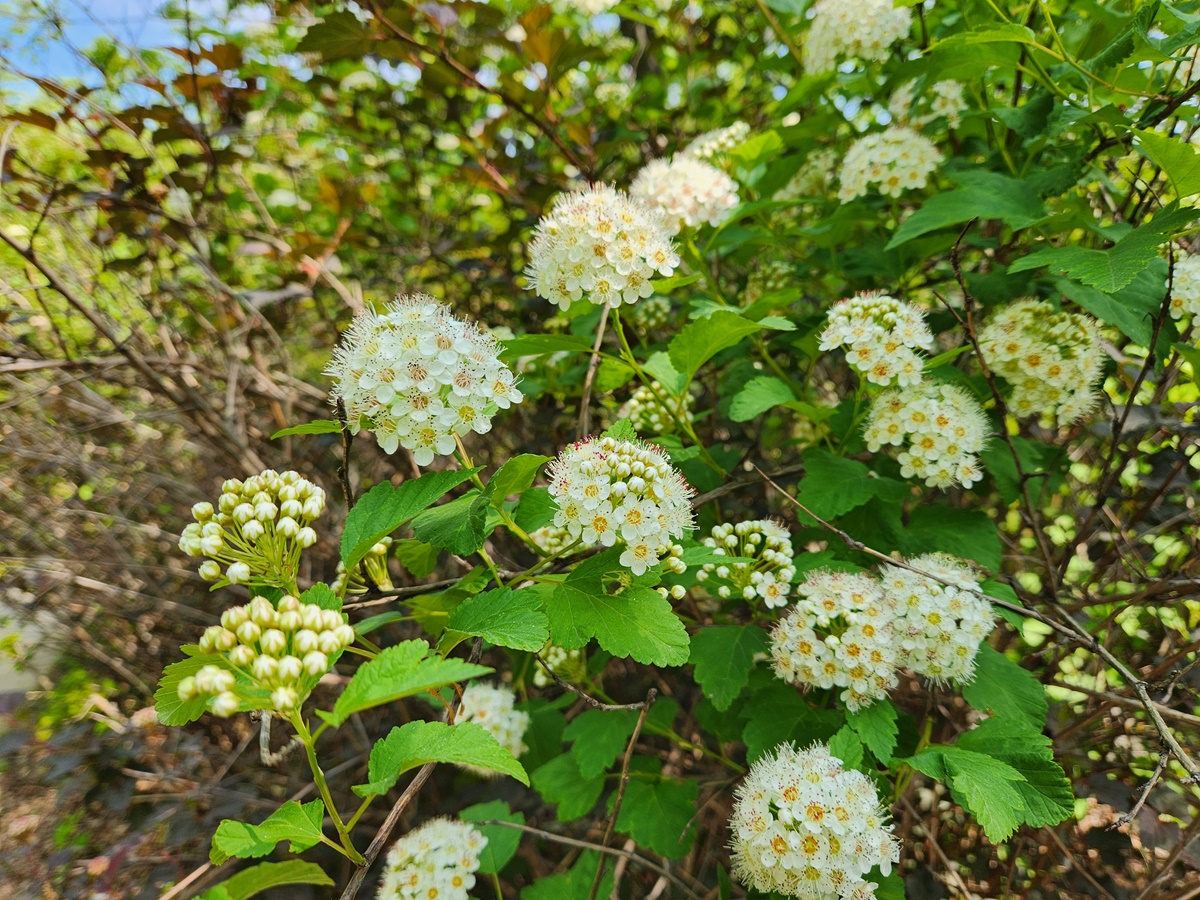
(598, 244)
(881, 335)
(805, 827)
(1185, 286)
(418, 376)
(651, 314)
(491, 707)
(812, 179)
(614, 93)
(774, 276)
(438, 860)
(893, 161)
(686, 191)
(767, 578)
(862, 29)
(569, 665)
(648, 415)
(718, 142)
(942, 100)
(1051, 359)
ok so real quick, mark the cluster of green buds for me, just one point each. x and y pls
(771, 278)
(767, 576)
(376, 563)
(278, 650)
(256, 532)
(569, 665)
(654, 410)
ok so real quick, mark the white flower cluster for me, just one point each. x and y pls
(943, 100)
(283, 649)
(813, 177)
(940, 626)
(1051, 359)
(609, 490)
(491, 707)
(438, 860)
(376, 562)
(417, 376)
(257, 530)
(894, 160)
(863, 29)
(1185, 287)
(552, 538)
(686, 191)
(941, 427)
(646, 413)
(881, 335)
(599, 243)
(774, 276)
(614, 93)
(839, 634)
(717, 142)
(569, 665)
(805, 827)
(651, 314)
(768, 577)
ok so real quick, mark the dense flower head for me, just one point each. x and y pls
(418, 376)
(768, 577)
(648, 414)
(256, 530)
(773, 277)
(587, 7)
(651, 314)
(940, 626)
(598, 244)
(438, 860)
(614, 93)
(863, 29)
(881, 335)
(894, 160)
(686, 191)
(839, 633)
(609, 490)
(803, 826)
(552, 539)
(718, 142)
(569, 665)
(1052, 360)
(376, 563)
(1185, 287)
(941, 428)
(941, 100)
(280, 651)
(490, 706)
(812, 179)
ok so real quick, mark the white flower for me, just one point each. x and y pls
(1051, 359)
(895, 160)
(865, 29)
(943, 100)
(1185, 286)
(686, 191)
(880, 334)
(614, 93)
(803, 826)
(813, 177)
(587, 8)
(651, 314)
(716, 143)
(609, 491)
(438, 860)
(598, 244)
(418, 376)
(941, 428)
(552, 538)
(768, 577)
(491, 708)
(647, 414)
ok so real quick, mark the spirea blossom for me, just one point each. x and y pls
(376, 564)
(881, 335)
(1051, 359)
(803, 826)
(686, 191)
(1185, 287)
(552, 538)
(941, 100)
(491, 707)
(650, 415)
(651, 314)
(812, 179)
(862, 29)
(774, 276)
(418, 376)
(279, 650)
(257, 529)
(941, 428)
(839, 633)
(609, 490)
(718, 142)
(569, 665)
(893, 161)
(598, 244)
(940, 626)
(438, 860)
(768, 577)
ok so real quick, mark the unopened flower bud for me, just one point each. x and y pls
(292, 508)
(238, 573)
(678, 592)
(249, 633)
(304, 641)
(233, 617)
(328, 643)
(273, 642)
(243, 513)
(265, 512)
(253, 530)
(231, 486)
(289, 621)
(288, 527)
(344, 634)
(306, 537)
(310, 616)
(265, 668)
(211, 545)
(202, 512)
(228, 503)
(316, 663)
(242, 656)
(262, 613)
(224, 705)
(187, 688)
(285, 699)
(290, 669)
(210, 570)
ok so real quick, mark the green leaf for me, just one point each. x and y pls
(301, 825)
(170, 709)
(600, 737)
(659, 366)
(846, 746)
(457, 526)
(637, 622)
(1006, 33)
(1130, 309)
(1045, 791)
(504, 617)
(340, 35)
(612, 374)
(560, 781)
(621, 430)
(1001, 591)
(757, 396)
(319, 426)
(323, 596)
(660, 814)
(1006, 689)
(374, 623)
(502, 843)
(264, 876)
(1112, 269)
(985, 195)
(515, 476)
(535, 509)
(968, 533)
(985, 787)
(723, 658)
(877, 727)
(575, 884)
(399, 671)
(779, 713)
(702, 339)
(1176, 157)
(418, 557)
(541, 344)
(667, 285)
(414, 744)
(384, 508)
(833, 485)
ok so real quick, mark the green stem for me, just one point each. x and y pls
(310, 751)
(465, 461)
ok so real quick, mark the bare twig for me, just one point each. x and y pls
(585, 412)
(588, 698)
(1163, 756)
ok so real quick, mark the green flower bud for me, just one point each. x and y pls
(285, 699)
(233, 618)
(242, 656)
(187, 689)
(304, 641)
(249, 633)
(202, 511)
(316, 663)
(289, 621)
(210, 570)
(265, 668)
(224, 705)
(290, 669)
(273, 642)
